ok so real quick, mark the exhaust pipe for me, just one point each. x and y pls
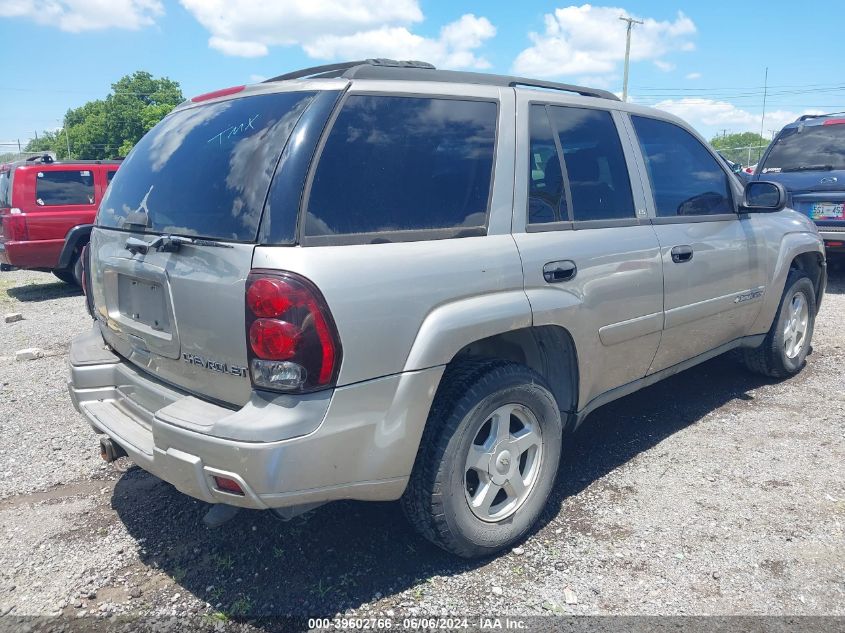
(110, 451)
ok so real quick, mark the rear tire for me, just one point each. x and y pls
(784, 351)
(487, 460)
(65, 275)
(73, 273)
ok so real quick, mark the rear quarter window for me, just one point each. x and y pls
(393, 164)
(66, 187)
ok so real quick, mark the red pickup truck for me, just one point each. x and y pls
(47, 208)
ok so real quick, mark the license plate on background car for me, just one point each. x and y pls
(828, 211)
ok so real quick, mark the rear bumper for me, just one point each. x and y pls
(357, 442)
(31, 253)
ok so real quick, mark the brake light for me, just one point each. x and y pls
(217, 93)
(292, 341)
(834, 122)
(14, 226)
(833, 244)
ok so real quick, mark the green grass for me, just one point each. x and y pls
(223, 562)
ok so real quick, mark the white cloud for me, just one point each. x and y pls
(693, 76)
(454, 48)
(249, 28)
(710, 114)
(588, 40)
(85, 15)
(664, 66)
(332, 29)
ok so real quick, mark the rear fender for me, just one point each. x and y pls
(450, 327)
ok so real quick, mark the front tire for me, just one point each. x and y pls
(784, 351)
(488, 458)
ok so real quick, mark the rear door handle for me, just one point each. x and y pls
(681, 254)
(556, 272)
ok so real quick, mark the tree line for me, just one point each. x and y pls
(110, 127)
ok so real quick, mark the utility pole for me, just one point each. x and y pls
(631, 22)
(765, 91)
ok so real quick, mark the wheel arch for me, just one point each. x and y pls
(812, 263)
(549, 350)
(799, 250)
(75, 238)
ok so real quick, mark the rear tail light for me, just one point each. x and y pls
(292, 341)
(14, 226)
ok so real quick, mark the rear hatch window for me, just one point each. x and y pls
(807, 148)
(204, 171)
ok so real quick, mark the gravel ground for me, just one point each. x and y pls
(715, 492)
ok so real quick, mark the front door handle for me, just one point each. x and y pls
(681, 254)
(556, 272)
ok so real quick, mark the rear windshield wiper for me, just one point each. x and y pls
(809, 168)
(168, 244)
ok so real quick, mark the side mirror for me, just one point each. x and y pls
(763, 197)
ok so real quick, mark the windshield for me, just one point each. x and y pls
(5, 189)
(811, 148)
(204, 171)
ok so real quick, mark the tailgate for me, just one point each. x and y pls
(179, 316)
(175, 236)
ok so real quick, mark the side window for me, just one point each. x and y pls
(546, 201)
(686, 179)
(595, 164)
(54, 188)
(404, 163)
(5, 188)
(109, 176)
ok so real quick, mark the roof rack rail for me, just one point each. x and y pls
(43, 158)
(553, 85)
(804, 117)
(313, 70)
(411, 70)
(331, 70)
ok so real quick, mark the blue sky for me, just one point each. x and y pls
(703, 61)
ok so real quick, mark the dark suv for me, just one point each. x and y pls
(46, 212)
(808, 158)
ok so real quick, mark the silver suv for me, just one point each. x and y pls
(377, 280)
